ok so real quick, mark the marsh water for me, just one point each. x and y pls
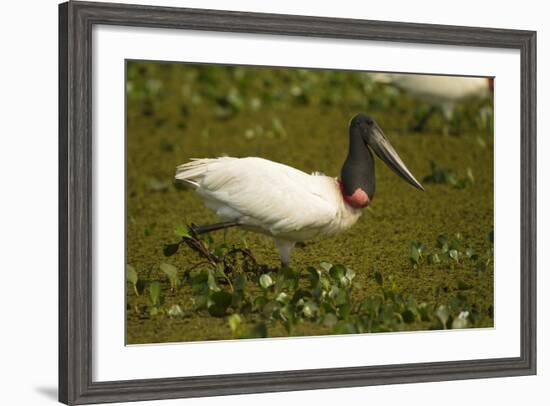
(300, 118)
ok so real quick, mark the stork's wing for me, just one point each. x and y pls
(278, 197)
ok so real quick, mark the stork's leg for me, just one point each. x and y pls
(214, 227)
(285, 250)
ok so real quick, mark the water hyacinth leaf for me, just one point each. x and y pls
(198, 278)
(461, 321)
(442, 241)
(310, 309)
(211, 281)
(300, 294)
(454, 255)
(334, 293)
(416, 251)
(408, 316)
(154, 293)
(338, 295)
(265, 281)
(169, 269)
(170, 249)
(283, 298)
(325, 282)
(234, 321)
(175, 311)
(260, 302)
(415, 255)
(314, 276)
(338, 274)
(442, 314)
(219, 272)
(220, 301)
(434, 259)
(327, 307)
(423, 311)
(471, 254)
(325, 266)
(239, 283)
(132, 277)
(350, 274)
(182, 231)
(172, 272)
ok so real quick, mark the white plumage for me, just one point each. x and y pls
(270, 198)
(443, 91)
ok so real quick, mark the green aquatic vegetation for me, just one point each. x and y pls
(132, 277)
(445, 176)
(315, 133)
(449, 252)
(172, 272)
(254, 298)
(228, 94)
(417, 253)
(175, 311)
(156, 298)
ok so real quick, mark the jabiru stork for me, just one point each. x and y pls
(287, 204)
(442, 92)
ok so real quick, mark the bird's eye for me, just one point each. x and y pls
(370, 122)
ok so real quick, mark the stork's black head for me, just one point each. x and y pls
(363, 125)
(358, 170)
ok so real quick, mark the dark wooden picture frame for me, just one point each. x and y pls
(76, 20)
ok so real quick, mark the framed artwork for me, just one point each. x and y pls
(257, 202)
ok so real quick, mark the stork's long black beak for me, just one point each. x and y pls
(382, 147)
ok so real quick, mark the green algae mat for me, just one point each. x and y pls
(414, 260)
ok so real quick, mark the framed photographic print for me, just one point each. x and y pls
(256, 202)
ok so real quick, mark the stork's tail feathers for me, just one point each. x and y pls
(214, 227)
(193, 171)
